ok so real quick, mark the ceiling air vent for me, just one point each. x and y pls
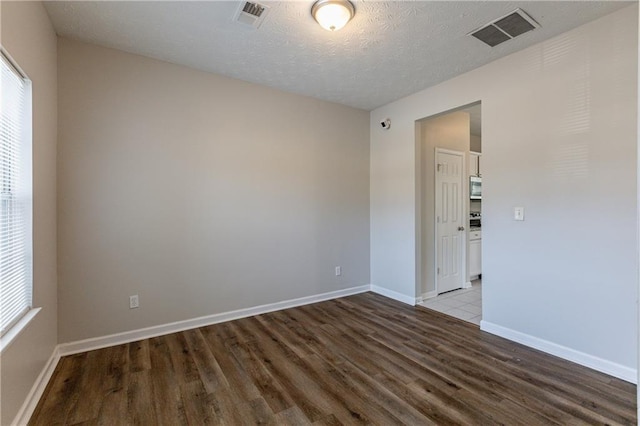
(251, 13)
(505, 28)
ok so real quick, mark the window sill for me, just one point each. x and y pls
(14, 332)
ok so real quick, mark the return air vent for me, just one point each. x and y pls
(505, 28)
(251, 13)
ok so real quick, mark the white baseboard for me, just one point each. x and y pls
(467, 285)
(33, 397)
(159, 330)
(426, 296)
(599, 364)
(394, 295)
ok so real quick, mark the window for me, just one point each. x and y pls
(15, 196)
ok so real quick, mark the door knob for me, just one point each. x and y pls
(460, 228)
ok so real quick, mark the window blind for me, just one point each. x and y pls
(15, 197)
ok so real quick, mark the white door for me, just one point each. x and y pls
(450, 222)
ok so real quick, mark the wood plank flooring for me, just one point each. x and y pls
(363, 359)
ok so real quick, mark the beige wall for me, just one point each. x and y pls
(476, 143)
(200, 193)
(29, 38)
(449, 131)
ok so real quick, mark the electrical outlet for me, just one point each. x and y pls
(338, 271)
(134, 302)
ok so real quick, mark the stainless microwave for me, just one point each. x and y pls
(475, 188)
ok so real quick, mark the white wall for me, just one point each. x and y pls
(200, 193)
(559, 138)
(29, 38)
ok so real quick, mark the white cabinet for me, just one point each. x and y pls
(474, 163)
(475, 253)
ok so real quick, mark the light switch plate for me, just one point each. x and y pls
(518, 213)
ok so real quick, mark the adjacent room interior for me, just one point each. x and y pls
(452, 272)
(240, 213)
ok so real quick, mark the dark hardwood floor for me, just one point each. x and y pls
(362, 359)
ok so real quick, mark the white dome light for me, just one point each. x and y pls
(332, 14)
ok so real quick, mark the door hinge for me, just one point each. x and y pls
(439, 167)
(438, 271)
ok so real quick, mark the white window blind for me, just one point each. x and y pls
(15, 196)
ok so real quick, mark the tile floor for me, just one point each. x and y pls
(465, 303)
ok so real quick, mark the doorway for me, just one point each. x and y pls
(449, 258)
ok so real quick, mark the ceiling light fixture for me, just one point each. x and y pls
(332, 14)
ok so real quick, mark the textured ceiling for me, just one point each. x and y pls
(389, 50)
